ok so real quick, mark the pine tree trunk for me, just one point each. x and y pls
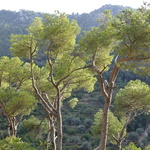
(51, 137)
(104, 130)
(9, 130)
(14, 127)
(59, 121)
(107, 91)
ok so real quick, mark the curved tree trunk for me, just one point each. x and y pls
(107, 91)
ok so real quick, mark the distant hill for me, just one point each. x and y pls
(88, 20)
(17, 22)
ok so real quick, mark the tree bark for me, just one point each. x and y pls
(13, 126)
(51, 137)
(107, 91)
(59, 122)
(120, 139)
(104, 130)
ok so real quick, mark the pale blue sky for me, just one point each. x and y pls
(67, 6)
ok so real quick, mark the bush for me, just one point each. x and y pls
(147, 148)
(65, 139)
(148, 137)
(86, 136)
(133, 137)
(77, 121)
(81, 128)
(88, 123)
(14, 143)
(65, 128)
(71, 131)
(140, 131)
(71, 121)
(86, 146)
(131, 146)
(144, 141)
(75, 140)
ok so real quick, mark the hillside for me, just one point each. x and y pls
(17, 22)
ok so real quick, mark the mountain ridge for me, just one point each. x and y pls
(12, 22)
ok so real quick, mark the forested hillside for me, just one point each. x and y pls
(17, 22)
(55, 80)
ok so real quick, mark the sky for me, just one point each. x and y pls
(67, 6)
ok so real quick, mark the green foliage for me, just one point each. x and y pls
(134, 97)
(147, 148)
(140, 131)
(114, 125)
(59, 30)
(75, 140)
(86, 146)
(15, 102)
(144, 141)
(34, 124)
(14, 143)
(36, 27)
(56, 36)
(131, 146)
(134, 39)
(133, 136)
(133, 31)
(140, 122)
(72, 121)
(33, 129)
(23, 45)
(98, 43)
(81, 128)
(71, 131)
(88, 122)
(73, 102)
(14, 73)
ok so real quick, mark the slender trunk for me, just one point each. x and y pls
(9, 129)
(60, 134)
(120, 138)
(51, 137)
(119, 144)
(14, 126)
(104, 130)
(48, 135)
(51, 110)
(107, 91)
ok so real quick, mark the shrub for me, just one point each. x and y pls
(133, 136)
(131, 146)
(14, 143)
(86, 136)
(148, 137)
(71, 131)
(86, 146)
(72, 121)
(147, 148)
(75, 140)
(88, 123)
(140, 131)
(81, 128)
(144, 141)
